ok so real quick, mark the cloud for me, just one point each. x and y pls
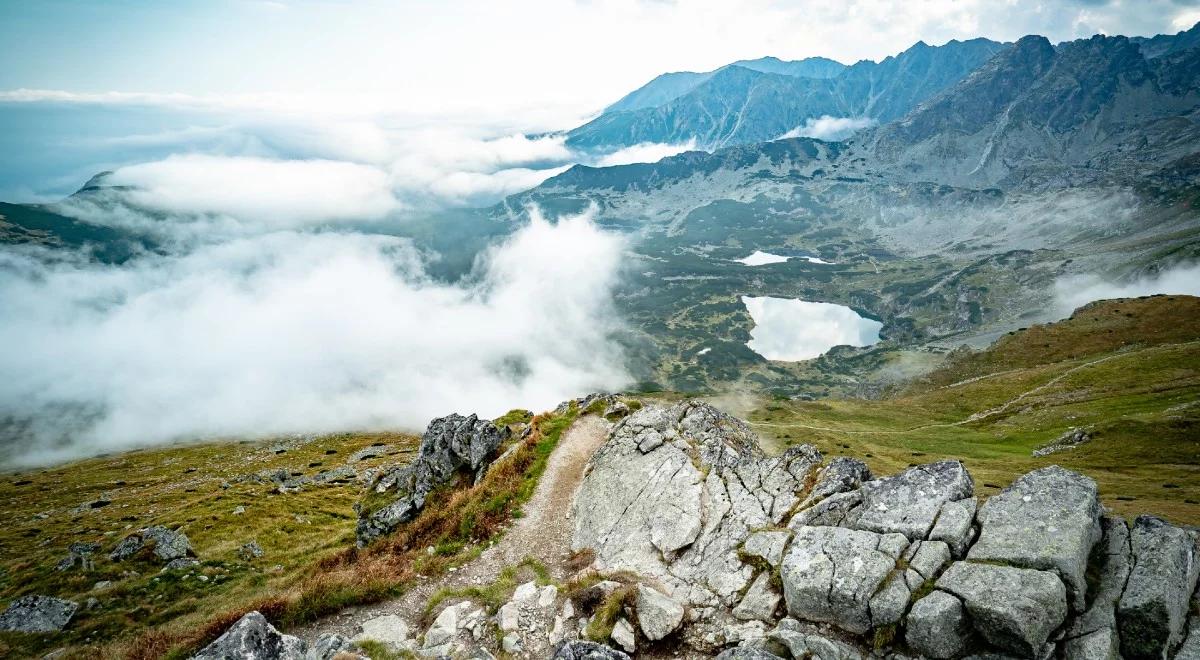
(793, 330)
(829, 128)
(646, 152)
(277, 193)
(1075, 291)
(298, 332)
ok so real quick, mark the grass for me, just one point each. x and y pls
(311, 567)
(1128, 371)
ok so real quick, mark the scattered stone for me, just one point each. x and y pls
(829, 574)
(166, 544)
(1015, 609)
(250, 550)
(622, 634)
(332, 645)
(450, 444)
(937, 626)
(657, 613)
(747, 653)
(253, 637)
(1048, 519)
(791, 640)
(511, 643)
(35, 614)
(908, 503)
(1153, 609)
(578, 649)
(239, 510)
(369, 452)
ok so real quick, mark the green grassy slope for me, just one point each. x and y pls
(1127, 371)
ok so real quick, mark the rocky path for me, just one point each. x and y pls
(543, 533)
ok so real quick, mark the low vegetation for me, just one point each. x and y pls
(310, 567)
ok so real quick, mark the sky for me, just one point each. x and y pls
(476, 56)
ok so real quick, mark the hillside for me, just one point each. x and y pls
(1127, 372)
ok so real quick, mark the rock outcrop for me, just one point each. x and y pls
(254, 638)
(683, 497)
(164, 544)
(450, 445)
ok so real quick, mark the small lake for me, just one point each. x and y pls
(760, 258)
(791, 330)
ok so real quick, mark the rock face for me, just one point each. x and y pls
(674, 493)
(450, 445)
(1154, 606)
(658, 615)
(1015, 609)
(35, 614)
(1048, 519)
(578, 649)
(253, 637)
(830, 573)
(881, 567)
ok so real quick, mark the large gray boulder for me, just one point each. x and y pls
(166, 544)
(673, 494)
(658, 614)
(1153, 609)
(449, 445)
(1048, 519)
(954, 525)
(253, 638)
(908, 503)
(34, 614)
(937, 626)
(829, 574)
(1015, 609)
(760, 602)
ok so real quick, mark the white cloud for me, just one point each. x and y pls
(646, 152)
(1075, 291)
(299, 332)
(829, 128)
(278, 193)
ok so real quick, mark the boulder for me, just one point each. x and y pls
(830, 574)
(760, 602)
(673, 494)
(623, 635)
(331, 645)
(1048, 519)
(253, 637)
(449, 445)
(888, 604)
(165, 543)
(1015, 609)
(837, 510)
(657, 613)
(250, 550)
(953, 525)
(388, 629)
(79, 554)
(937, 626)
(1153, 609)
(578, 649)
(35, 614)
(908, 503)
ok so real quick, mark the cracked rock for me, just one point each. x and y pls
(908, 503)
(1015, 609)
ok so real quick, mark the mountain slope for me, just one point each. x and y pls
(739, 105)
(1093, 109)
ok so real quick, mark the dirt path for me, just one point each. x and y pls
(544, 533)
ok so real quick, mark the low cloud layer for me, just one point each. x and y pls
(793, 330)
(829, 128)
(646, 152)
(297, 332)
(1076, 291)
